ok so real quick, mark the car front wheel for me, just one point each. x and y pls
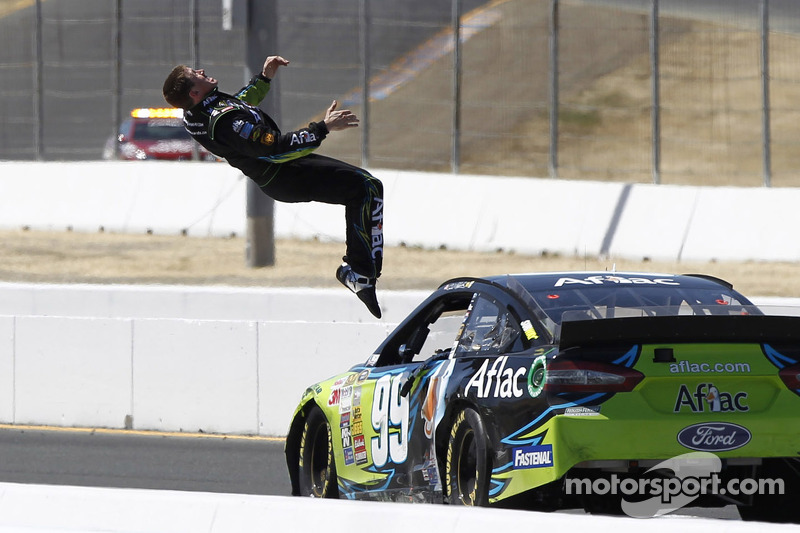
(317, 473)
(468, 461)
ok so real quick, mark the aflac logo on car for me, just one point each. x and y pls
(714, 436)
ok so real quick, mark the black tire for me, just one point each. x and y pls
(468, 461)
(776, 508)
(317, 468)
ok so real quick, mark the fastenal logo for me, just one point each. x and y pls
(533, 456)
(672, 484)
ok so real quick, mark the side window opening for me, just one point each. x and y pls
(442, 334)
(435, 332)
(489, 330)
(471, 323)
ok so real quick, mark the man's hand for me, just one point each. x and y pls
(271, 65)
(339, 120)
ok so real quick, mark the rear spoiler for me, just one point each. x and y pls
(757, 329)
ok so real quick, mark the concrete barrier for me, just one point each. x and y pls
(25, 508)
(527, 215)
(235, 377)
(212, 359)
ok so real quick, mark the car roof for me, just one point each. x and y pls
(583, 279)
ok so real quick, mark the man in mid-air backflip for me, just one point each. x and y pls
(283, 165)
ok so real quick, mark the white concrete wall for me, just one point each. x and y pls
(215, 376)
(210, 359)
(528, 215)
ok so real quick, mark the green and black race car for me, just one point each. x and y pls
(516, 390)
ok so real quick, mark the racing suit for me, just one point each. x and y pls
(284, 167)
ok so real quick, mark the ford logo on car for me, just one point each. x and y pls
(714, 436)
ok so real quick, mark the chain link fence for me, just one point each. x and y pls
(668, 91)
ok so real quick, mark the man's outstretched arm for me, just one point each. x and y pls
(255, 91)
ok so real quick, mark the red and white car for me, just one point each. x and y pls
(154, 133)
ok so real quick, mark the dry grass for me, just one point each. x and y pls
(56, 257)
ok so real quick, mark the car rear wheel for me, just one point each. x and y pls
(468, 461)
(317, 472)
(779, 507)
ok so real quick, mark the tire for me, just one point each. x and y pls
(317, 468)
(776, 508)
(468, 461)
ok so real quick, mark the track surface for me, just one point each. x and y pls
(121, 459)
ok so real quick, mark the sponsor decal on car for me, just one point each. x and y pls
(714, 436)
(589, 410)
(347, 440)
(357, 425)
(708, 394)
(349, 458)
(685, 367)
(537, 456)
(360, 449)
(345, 399)
(458, 285)
(497, 381)
(600, 280)
(537, 376)
(334, 397)
(528, 330)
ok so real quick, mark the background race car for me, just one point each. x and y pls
(519, 390)
(154, 133)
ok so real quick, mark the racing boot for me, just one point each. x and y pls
(363, 287)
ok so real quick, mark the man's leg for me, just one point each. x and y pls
(323, 179)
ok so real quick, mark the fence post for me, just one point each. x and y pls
(553, 74)
(195, 37)
(38, 115)
(456, 148)
(365, 69)
(261, 38)
(766, 127)
(655, 110)
(116, 109)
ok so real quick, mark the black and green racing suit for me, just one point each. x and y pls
(284, 167)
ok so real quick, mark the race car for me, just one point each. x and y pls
(154, 133)
(511, 390)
